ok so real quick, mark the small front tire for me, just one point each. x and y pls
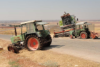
(13, 49)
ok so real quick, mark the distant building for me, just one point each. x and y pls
(3, 25)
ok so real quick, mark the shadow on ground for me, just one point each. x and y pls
(97, 38)
(53, 46)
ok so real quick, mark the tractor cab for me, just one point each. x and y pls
(35, 27)
(82, 26)
(30, 27)
(41, 29)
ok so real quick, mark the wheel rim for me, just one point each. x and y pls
(11, 49)
(83, 36)
(33, 44)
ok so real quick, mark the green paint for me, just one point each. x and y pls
(60, 23)
(71, 32)
(43, 33)
(17, 38)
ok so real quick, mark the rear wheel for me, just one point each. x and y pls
(33, 43)
(83, 35)
(13, 49)
(49, 43)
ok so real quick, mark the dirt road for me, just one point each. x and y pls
(87, 49)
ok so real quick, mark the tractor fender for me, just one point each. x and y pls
(88, 33)
(82, 31)
(32, 34)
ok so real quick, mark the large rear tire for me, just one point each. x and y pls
(83, 35)
(33, 43)
(13, 49)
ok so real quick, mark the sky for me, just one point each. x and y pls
(49, 9)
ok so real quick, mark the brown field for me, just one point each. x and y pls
(40, 58)
(9, 31)
(51, 27)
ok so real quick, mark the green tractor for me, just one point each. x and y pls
(33, 36)
(83, 30)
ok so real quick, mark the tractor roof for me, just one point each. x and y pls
(31, 21)
(81, 23)
(42, 23)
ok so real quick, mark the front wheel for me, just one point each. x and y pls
(83, 35)
(13, 49)
(71, 36)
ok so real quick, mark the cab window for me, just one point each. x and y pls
(24, 29)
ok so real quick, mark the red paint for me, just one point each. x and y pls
(71, 36)
(94, 35)
(33, 43)
(83, 36)
(63, 31)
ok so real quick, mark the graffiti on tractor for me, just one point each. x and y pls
(16, 39)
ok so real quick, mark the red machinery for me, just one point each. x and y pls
(62, 33)
(94, 35)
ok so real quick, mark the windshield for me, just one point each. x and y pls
(39, 27)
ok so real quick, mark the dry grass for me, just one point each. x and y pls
(3, 62)
(97, 28)
(10, 31)
(8, 59)
(45, 57)
(59, 59)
